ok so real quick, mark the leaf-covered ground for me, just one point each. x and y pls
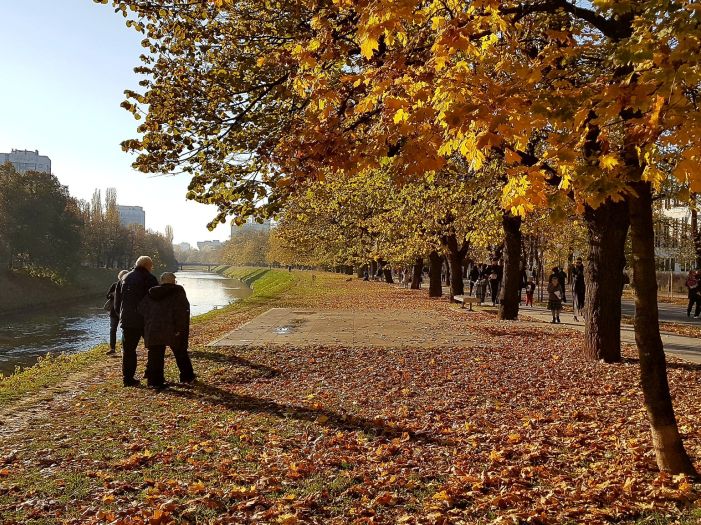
(516, 428)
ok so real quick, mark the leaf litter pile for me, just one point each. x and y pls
(515, 428)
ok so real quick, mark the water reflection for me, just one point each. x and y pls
(25, 337)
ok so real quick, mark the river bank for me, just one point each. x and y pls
(506, 424)
(21, 292)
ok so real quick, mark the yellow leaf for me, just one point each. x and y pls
(368, 45)
(608, 162)
(400, 116)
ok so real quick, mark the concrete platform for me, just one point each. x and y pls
(386, 328)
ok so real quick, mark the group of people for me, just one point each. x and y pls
(556, 290)
(158, 312)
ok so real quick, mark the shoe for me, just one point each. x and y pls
(558, 320)
(575, 318)
(553, 321)
(111, 351)
(189, 381)
(696, 317)
(132, 382)
(161, 387)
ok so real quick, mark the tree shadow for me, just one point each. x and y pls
(229, 359)
(674, 365)
(235, 402)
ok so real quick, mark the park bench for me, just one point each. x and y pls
(464, 299)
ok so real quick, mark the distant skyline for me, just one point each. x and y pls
(65, 67)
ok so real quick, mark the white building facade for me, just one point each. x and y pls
(129, 215)
(26, 160)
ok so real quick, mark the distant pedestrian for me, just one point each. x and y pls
(114, 314)
(562, 277)
(578, 288)
(530, 290)
(407, 279)
(554, 298)
(166, 312)
(128, 295)
(494, 277)
(366, 275)
(481, 288)
(692, 284)
(474, 276)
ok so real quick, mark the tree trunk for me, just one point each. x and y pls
(435, 287)
(456, 259)
(607, 228)
(361, 271)
(416, 272)
(510, 290)
(667, 443)
(695, 233)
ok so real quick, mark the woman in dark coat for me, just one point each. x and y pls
(578, 288)
(166, 312)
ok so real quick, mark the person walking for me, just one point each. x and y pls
(692, 284)
(114, 314)
(530, 290)
(578, 288)
(166, 312)
(494, 276)
(128, 295)
(554, 298)
(474, 276)
(562, 277)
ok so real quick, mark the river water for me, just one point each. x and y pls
(78, 327)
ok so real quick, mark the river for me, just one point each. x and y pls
(26, 337)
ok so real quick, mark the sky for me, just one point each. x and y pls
(64, 66)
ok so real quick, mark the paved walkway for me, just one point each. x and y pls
(688, 348)
(380, 328)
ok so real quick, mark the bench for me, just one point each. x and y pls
(464, 299)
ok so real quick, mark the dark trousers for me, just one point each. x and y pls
(694, 299)
(182, 358)
(130, 340)
(154, 365)
(114, 322)
(494, 287)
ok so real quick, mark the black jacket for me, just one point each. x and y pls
(166, 312)
(110, 295)
(130, 291)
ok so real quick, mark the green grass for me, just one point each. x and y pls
(52, 370)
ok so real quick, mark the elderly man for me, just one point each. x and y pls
(130, 291)
(166, 312)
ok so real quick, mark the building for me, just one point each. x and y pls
(208, 246)
(250, 226)
(129, 215)
(674, 249)
(183, 246)
(25, 160)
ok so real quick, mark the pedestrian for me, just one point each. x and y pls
(692, 284)
(562, 277)
(474, 275)
(578, 288)
(407, 279)
(494, 278)
(481, 288)
(366, 275)
(128, 295)
(554, 298)
(114, 314)
(530, 290)
(166, 312)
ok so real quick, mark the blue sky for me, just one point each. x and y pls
(64, 67)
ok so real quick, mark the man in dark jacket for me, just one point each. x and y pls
(166, 312)
(114, 314)
(129, 294)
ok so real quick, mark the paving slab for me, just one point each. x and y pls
(381, 328)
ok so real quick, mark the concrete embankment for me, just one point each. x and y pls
(20, 292)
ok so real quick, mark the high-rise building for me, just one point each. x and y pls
(25, 160)
(250, 226)
(129, 215)
(208, 246)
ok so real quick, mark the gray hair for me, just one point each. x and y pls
(144, 262)
(121, 274)
(167, 278)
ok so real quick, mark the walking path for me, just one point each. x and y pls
(688, 348)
